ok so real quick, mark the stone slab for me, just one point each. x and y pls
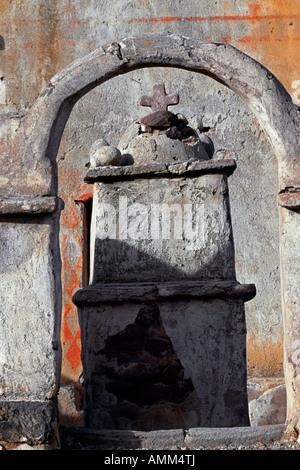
(30, 205)
(213, 437)
(162, 229)
(160, 169)
(203, 339)
(114, 292)
(124, 440)
(173, 439)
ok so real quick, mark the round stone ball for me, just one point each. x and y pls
(105, 156)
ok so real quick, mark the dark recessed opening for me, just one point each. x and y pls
(2, 43)
(88, 218)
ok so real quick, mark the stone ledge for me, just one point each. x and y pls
(123, 439)
(30, 205)
(113, 173)
(173, 439)
(139, 291)
(213, 437)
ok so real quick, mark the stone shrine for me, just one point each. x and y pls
(162, 319)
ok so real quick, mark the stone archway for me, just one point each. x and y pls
(255, 85)
(42, 128)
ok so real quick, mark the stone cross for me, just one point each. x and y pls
(159, 100)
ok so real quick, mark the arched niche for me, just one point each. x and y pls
(254, 84)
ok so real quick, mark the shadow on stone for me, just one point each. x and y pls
(165, 354)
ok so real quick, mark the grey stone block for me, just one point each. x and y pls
(213, 437)
(30, 422)
(269, 408)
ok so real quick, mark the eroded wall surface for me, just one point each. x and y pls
(38, 38)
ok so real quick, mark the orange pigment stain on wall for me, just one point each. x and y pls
(70, 331)
(252, 17)
(273, 39)
(72, 243)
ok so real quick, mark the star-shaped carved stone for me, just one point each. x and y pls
(159, 100)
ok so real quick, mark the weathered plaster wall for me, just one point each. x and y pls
(26, 245)
(41, 37)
